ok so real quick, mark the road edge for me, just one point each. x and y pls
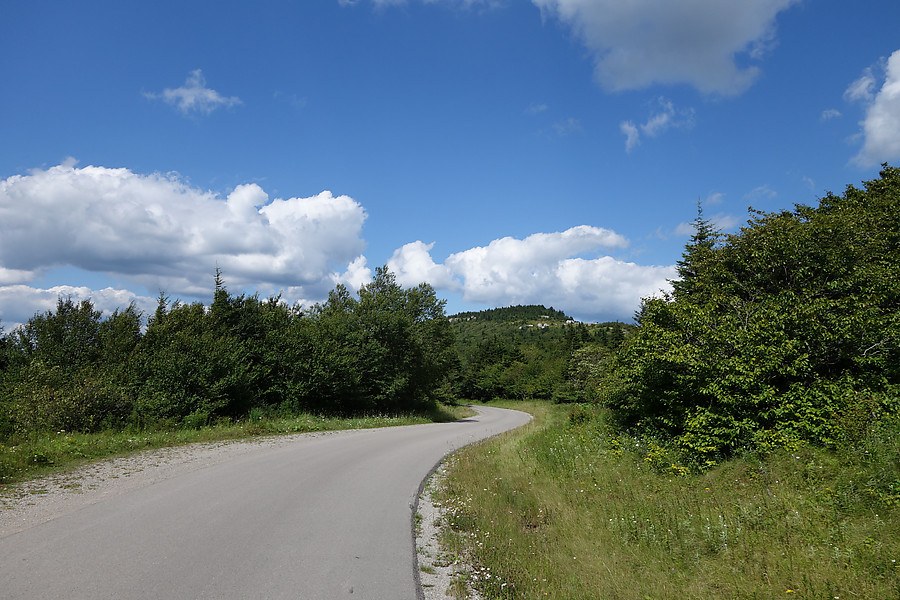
(414, 505)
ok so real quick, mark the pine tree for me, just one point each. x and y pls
(696, 254)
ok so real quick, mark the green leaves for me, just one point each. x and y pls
(773, 328)
(394, 346)
(387, 351)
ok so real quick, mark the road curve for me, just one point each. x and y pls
(326, 517)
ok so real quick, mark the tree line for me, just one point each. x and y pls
(386, 349)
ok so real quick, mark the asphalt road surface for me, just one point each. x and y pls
(326, 517)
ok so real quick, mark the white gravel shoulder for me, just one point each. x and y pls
(437, 568)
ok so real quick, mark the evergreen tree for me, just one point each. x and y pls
(696, 254)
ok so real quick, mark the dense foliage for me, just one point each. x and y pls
(388, 350)
(785, 331)
(531, 352)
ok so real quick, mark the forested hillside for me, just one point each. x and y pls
(531, 352)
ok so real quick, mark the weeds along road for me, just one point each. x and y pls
(326, 517)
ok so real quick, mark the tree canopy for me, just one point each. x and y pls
(388, 350)
(779, 332)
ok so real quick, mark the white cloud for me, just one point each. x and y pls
(632, 135)
(637, 44)
(194, 97)
(13, 276)
(357, 274)
(863, 88)
(412, 264)
(829, 114)
(158, 231)
(18, 303)
(685, 228)
(881, 126)
(663, 117)
(761, 191)
(543, 268)
(714, 198)
(666, 117)
(723, 221)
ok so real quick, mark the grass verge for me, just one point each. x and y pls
(42, 454)
(567, 508)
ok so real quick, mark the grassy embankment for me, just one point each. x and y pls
(39, 454)
(565, 508)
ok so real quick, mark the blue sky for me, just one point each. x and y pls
(505, 151)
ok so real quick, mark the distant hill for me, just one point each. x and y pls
(533, 322)
(524, 351)
(529, 312)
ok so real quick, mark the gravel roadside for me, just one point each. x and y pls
(442, 575)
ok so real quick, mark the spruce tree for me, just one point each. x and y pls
(696, 254)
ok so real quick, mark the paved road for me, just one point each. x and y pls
(327, 517)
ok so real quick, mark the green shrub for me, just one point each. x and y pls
(781, 333)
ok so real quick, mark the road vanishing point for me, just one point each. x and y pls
(324, 517)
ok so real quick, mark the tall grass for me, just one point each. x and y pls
(38, 454)
(566, 508)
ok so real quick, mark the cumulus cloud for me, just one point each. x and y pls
(637, 44)
(160, 232)
(829, 114)
(412, 264)
(194, 97)
(662, 117)
(357, 274)
(881, 125)
(543, 268)
(18, 303)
